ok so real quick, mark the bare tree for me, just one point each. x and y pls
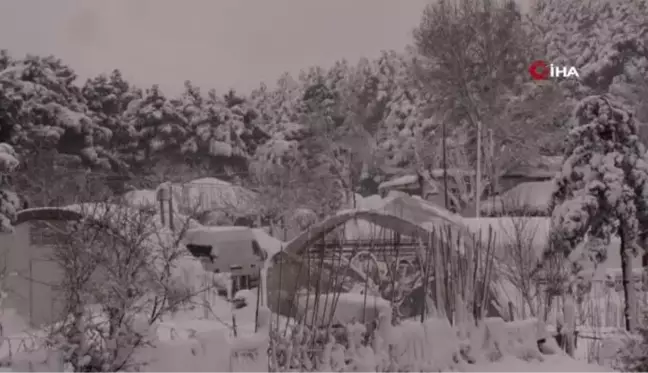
(474, 55)
(283, 189)
(519, 258)
(120, 277)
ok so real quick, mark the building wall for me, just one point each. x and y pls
(31, 276)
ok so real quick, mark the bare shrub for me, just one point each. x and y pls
(518, 259)
(121, 275)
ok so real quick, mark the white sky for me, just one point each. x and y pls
(214, 43)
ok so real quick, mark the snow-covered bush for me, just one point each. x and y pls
(633, 354)
(412, 346)
(9, 203)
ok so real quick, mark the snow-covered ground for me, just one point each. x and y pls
(179, 326)
(216, 314)
(552, 363)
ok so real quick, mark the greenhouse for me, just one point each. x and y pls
(409, 254)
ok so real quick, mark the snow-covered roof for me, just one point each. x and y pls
(399, 181)
(103, 210)
(419, 210)
(529, 197)
(377, 219)
(534, 233)
(198, 196)
(209, 194)
(439, 172)
(211, 235)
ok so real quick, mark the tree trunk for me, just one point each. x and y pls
(629, 295)
(568, 330)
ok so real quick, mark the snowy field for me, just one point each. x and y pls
(555, 363)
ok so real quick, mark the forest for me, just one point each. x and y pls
(355, 123)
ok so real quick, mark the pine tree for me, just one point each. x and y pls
(160, 129)
(108, 98)
(44, 109)
(9, 203)
(603, 187)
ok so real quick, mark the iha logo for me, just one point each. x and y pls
(541, 70)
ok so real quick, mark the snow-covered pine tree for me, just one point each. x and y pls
(108, 98)
(604, 39)
(9, 203)
(43, 108)
(603, 187)
(160, 127)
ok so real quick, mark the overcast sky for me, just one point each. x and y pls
(215, 43)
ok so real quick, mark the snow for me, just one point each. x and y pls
(207, 194)
(196, 197)
(534, 231)
(399, 181)
(371, 202)
(141, 198)
(268, 243)
(551, 363)
(219, 317)
(507, 230)
(523, 198)
(205, 235)
(591, 35)
(8, 158)
(349, 307)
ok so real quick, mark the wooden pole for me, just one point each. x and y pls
(479, 172)
(171, 223)
(445, 165)
(491, 143)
